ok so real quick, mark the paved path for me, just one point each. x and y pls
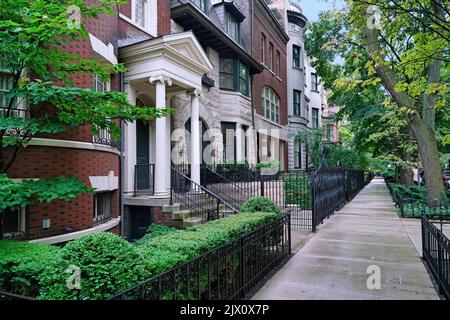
(333, 264)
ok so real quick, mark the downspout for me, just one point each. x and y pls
(122, 161)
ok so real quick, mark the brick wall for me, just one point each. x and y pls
(45, 162)
(49, 162)
(163, 17)
(279, 85)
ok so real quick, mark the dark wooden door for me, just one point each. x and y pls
(142, 155)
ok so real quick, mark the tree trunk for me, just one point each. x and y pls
(406, 176)
(429, 155)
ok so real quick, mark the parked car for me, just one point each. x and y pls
(446, 178)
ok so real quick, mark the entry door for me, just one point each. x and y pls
(140, 220)
(142, 155)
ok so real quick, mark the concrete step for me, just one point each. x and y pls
(192, 221)
(181, 214)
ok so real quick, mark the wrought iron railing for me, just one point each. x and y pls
(15, 113)
(200, 201)
(289, 190)
(436, 253)
(328, 193)
(225, 273)
(104, 137)
(354, 181)
(234, 194)
(144, 179)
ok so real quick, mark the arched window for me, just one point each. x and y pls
(270, 104)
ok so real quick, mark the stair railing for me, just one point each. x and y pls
(200, 201)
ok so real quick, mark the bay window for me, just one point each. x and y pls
(234, 75)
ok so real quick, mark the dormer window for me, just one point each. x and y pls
(232, 27)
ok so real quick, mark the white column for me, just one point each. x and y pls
(162, 164)
(130, 144)
(195, 137)
(239, 142)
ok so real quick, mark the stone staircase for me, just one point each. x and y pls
(187, 217)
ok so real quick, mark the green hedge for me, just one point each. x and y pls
(109, 264)
(165, 252)
(22, 265)
(417, 209)
(259, 204)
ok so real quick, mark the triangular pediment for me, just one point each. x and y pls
(188, 46)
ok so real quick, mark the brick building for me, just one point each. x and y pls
(94, 160)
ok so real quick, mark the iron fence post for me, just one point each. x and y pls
(262, 184)
(289, 234)
(242, 264)
(313, 201)
(440, 276)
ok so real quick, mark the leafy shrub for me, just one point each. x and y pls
(411, 192)
(108, 264)
(164, 252)
(155, 230)
(417, 209)
(260, 204)
(22, 264)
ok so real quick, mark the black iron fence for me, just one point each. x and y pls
(227, 272)
(436, 253)
(328, 193)
(354, 181)
(289, 190)
(144, 179)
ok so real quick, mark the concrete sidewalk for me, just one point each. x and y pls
(333, 264)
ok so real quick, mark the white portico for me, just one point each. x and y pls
(159, 69)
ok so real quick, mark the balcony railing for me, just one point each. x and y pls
(144, 179)
(105, 138)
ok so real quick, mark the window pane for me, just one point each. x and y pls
(227, 74)
(140, 12)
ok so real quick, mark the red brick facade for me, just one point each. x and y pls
(48, 161)
(268, 77)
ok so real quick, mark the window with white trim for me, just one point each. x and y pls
(102, 207)
(14, 223)
(270, 104)
(140, 12)
(103, 136)
(18, 110)
(263, 48)
(271, 64)
(278, 64)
